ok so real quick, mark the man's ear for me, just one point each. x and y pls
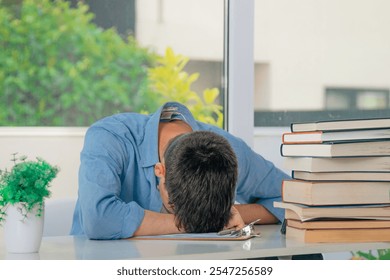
(159, 170)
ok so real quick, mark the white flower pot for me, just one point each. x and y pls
(22, 233)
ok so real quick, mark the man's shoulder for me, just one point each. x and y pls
(122, 119)
(121, 125)
(234, 140)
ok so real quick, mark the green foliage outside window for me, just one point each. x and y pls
(57, 68)
(172, 83)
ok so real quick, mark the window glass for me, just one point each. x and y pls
(325, 59)
(69, 63)
(356, 98)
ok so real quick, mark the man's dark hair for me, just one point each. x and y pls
(201, 176)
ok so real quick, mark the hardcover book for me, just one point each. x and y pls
(352, 164)
(342, 176)
(313, 137)
(339, 235)
(338, 223)
(335, 192)
(307, 213)
(353, 149)
(342, 125)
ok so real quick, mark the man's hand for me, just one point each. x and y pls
(235, 222)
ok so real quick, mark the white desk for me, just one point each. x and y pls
(272, 243)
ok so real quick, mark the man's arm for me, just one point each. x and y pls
(252, 212)
(155, 223)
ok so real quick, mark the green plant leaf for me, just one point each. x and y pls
(171, 83)
(209, 95)
(27, 182)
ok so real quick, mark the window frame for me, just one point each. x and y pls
(238, 74)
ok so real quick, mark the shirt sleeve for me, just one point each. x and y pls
(103, 214)
(259, 180)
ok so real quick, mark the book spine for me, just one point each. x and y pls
(281, 150)
(286, 140)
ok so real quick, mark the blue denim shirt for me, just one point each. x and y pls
(117, 180)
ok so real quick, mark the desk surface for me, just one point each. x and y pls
(271, 243)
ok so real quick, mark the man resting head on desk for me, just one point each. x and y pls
(168, 173)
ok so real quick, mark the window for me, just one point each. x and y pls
(69, 63)
(356, 99)
(324, 59)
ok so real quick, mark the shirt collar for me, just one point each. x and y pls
(149, 145)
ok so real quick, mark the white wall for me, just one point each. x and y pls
(267, 141)
(59, 146)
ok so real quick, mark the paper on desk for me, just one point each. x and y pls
(212, 236)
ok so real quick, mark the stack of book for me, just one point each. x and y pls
(340, 186)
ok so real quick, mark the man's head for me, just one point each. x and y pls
(200, 179)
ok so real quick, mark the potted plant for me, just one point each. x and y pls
(23, 189)
(379, 254)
